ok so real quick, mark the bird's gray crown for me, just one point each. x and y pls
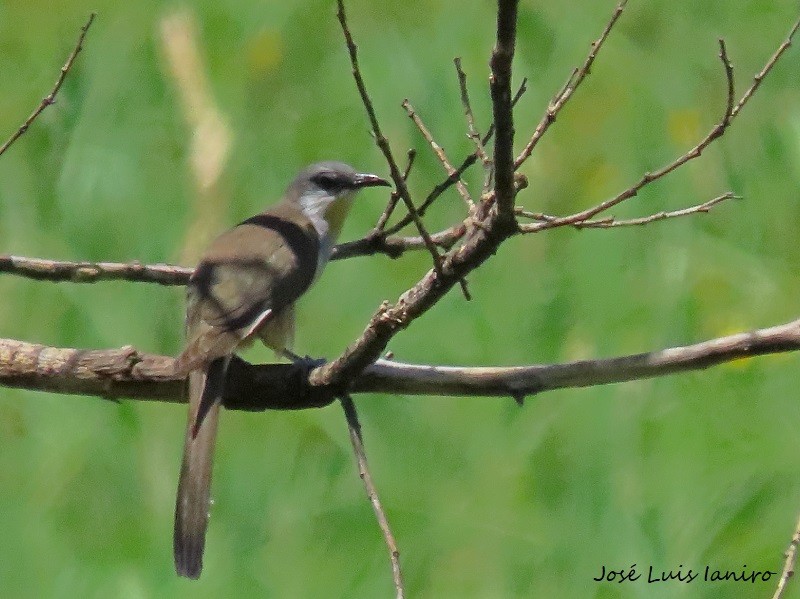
(332, 178)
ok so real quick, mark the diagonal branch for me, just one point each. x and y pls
(759, 77)
(51, 97)
(394, 196)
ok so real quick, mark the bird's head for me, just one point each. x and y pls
(324, 192)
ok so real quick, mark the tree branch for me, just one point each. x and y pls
(43, 269)
(126, 373)
(759, 77)
(472, 130)
(717, 131)
(500, 88)
(394, 196)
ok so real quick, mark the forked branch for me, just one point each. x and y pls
(718, 130)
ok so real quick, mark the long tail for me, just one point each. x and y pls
(193, 502)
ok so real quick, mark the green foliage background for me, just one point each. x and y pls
(486, 499)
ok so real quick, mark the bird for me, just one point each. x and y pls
(244, 287)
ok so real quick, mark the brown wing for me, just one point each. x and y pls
(247, 275)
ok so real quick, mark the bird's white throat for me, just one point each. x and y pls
(327, 214)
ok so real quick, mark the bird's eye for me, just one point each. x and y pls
(329, 182)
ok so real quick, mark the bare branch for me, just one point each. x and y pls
(573, 82)
(357, 441)
(519, 381)
(127, 373)
(51, 97)
(440, 153)
(110, 374)
(434, 194)
(789, 564)
(479, 244)
(42, 269)
(91, 272)
(500, 88)
(611, 222)
(730, 113)
(715, 133)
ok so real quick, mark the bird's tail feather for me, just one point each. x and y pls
(193, 502)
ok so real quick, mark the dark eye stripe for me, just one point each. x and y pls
(330, 181)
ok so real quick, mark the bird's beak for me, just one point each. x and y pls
(367, 180)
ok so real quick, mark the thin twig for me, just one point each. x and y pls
(439, 189)
(612, 222)
(383, 144)
(434, 194)
(393, 246)
(789, 563)
(357, 441)
(394, 196)
(439, 151)
(566, 92)
(51, 97)
(472, 130)
(381, 141)
(715, 133)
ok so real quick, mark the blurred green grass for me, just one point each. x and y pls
(486, 499)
